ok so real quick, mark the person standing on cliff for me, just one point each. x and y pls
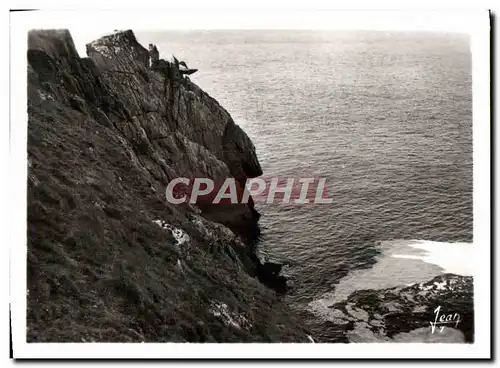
(154, 56)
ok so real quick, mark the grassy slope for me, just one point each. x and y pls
(99, 269)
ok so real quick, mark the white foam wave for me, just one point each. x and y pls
(401, 262)
(455, 258)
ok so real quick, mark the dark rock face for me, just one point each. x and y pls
(109, 259)
(269, 274)
(176, 127)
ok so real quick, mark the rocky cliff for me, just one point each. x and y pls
(109, 259)
(401, 314)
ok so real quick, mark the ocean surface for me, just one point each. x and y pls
(385, 117)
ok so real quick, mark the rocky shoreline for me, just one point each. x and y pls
(109, 259)
(439, 310)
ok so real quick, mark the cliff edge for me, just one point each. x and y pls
(109, 259)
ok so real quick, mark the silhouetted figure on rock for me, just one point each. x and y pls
(171, 70)
(188, 71)
(154, 56)
(185, 70)
(176, 62)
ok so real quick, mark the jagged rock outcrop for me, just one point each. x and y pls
(109, 259)
(403, 314)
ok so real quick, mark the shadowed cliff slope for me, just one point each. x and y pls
(108, 258)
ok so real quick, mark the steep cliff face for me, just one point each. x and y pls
(109, 259)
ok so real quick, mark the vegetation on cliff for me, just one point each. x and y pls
(109, 259)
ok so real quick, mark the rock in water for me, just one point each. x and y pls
(439, 310)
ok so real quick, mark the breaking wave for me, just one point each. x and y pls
(401, 262)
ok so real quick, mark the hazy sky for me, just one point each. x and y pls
(105, 22)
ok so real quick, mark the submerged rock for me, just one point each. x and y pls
(440, 310)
